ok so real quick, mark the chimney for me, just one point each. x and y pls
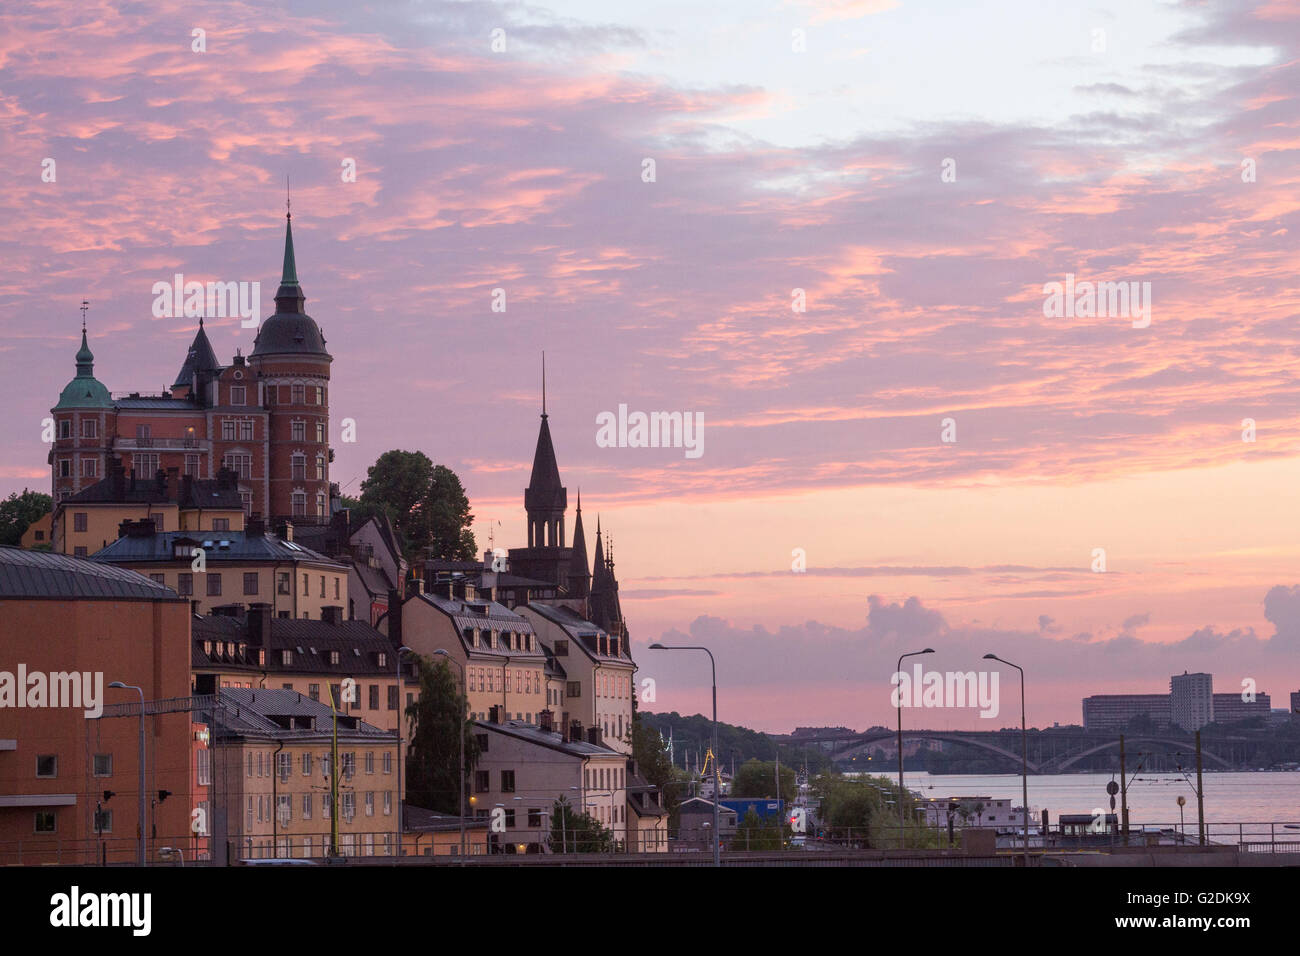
(575, 732)
(544, 720)
(173, 474)
(144, 528)
(395, 617)
(332, 614)
(117, 477)
(228, 610)
(227, 478)
(259, 623)
(563, 729)
(284, 531)
(160, 480)
(593, 736)
(255, 526)
(187, 490)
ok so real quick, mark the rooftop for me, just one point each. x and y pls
(43, 574)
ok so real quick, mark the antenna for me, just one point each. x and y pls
(85, 304)
(288, 205)
(543, 383)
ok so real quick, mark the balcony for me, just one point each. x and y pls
(157, 443)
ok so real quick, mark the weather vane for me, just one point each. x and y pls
(85, 304)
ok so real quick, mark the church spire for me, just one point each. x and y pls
(579, 570)
(289, 297)
(545, 498)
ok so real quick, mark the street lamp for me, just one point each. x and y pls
(899, 692)
(717, 790)
(464, 693)
(1024, 749)
(140, 824)
(401, 764)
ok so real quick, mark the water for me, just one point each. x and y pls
(1235, 797)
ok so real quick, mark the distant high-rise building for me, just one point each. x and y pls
(1230, 708)
(1191, 700)
(1114, 711)
(1295, 702)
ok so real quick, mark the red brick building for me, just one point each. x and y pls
(264, 416)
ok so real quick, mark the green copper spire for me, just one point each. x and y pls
(85, 358)
(290, 276)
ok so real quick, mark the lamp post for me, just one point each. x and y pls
(464, 693)
(401, 764)
(717, 790)
(140, 801)
(901, 791)
(1024, 750)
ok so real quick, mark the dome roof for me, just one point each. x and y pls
(84, 391)
(290, 330)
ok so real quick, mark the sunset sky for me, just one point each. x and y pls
(1149, 142)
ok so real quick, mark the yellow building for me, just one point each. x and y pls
(38, 533)
(216, 568)
(90, 520)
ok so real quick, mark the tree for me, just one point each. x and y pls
(425, 502)
(19, 511)
(755, 834)
(432, 760)
(757, 778)
(652, 761)
(577, 832)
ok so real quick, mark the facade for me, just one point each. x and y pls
(346, 661)
(273, 764)
(376, 566)
(39, 533)
(1230, 708)
(238, 566)
(1114, 711)
(497, 649)
(426, 833)
(86, 521)
(1191, 700)
(600, 674)
(524, 769)
(695, 829)
(264, 416)
(64, 618)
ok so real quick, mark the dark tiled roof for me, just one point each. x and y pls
(357, 643)
(240, 547)
(581, 631)
(547, 738)
(418, 818)
(498, 617)
(157, 403)
(198, 493)
(250, 711)
(43, 574)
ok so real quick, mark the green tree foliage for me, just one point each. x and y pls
(757, 778)
(652, 761)
(432, 759)
(756, 834)
(425, 502)
(573, 832)
(18, 511)
(695, 732)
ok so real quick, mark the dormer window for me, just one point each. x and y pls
(334, 657)
(383, 659)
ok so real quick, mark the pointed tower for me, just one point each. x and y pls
(292, 371)
(200, 367)
(84, 416)
(605, 608)
(579, 570)
(545, 499)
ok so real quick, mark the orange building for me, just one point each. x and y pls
(69, 743)
(265, 417)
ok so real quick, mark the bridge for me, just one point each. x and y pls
(1050, 752)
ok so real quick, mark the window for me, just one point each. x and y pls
(65, 428)
(388, 762)
(273, 394)
(482, 782)
(374, 696)
(241, 465)
(349, 764)
(507, 781)
(535, 818)
(103, 765)
(44, 821)
(185, 584)
(313, 691)
(238, 395)
(246, 501)
(299, 505)
(89, 428)
(320, 506)
(65, 467)
(79, 521)
(192, 465)
(220, 524)
(296, 394)
(349, 805)
(298, 431)
(334, 657)
(214, 585)
(370, 761)
(282, 582)
(246, 429)
(306, 806)
(79, 551)
(145, 465)
(143, 432)
(320, 432)
(250, 582)
(284, 765)
(392, 697)
(388, 803)
(561, 648)
(510, 819)
(306, 587)
(227, 429)
(322, 585)
(47, 765)
(306, 765)
(157, 578)
(283, 808)
(370, 803)
(318, 395)
(320, 467)
(203, 767)
(573, 688)
(88, 467)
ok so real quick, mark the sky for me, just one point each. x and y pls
(918, 174)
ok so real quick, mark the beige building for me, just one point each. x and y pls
(599, 671)
(502, 659)
(523, 770)
(273, 768)
(216, 568)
